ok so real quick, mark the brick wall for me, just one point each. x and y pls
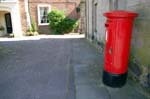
(23, 15)
(68, 5)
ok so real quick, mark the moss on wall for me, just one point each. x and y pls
(140, 47)
(142, 34)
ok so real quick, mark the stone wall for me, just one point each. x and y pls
(95, 9)
(140, 46)
(139, 63)
(102, 8)
(139, 57)
(95, 30)
(141, 40)
(82, 28)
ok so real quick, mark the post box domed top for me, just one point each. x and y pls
(121, 14)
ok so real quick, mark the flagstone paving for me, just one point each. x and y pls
(55, 68)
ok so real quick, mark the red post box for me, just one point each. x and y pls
(118, 36)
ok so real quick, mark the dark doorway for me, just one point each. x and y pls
(8, 23)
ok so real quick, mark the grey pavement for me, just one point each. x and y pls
(35, 69)
(56, 68)
(87, 64)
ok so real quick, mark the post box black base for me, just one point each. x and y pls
(114, 80)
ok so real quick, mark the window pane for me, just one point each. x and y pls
(44, 14)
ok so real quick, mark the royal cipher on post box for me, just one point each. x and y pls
(118, 26)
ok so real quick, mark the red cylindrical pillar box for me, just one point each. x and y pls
(118, 36)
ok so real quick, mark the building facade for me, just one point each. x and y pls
(140, 45)
(17, 15)
(10, 18)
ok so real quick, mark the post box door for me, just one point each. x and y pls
(117, 45)
(109, 47)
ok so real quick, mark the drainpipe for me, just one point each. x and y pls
(26, 2)
(113, 4)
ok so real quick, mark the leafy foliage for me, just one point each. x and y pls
(55, 19)
(69, 25)
(33, 27)
(60, 24)
(2, 28)
(32, 30)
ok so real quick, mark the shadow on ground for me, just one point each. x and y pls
(55, 68)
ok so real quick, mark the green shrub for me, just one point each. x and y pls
(69, 25)
(60, 24)
(55, 18)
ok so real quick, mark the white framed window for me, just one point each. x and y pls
(43, 14)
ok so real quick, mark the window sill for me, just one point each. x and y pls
(44, 24)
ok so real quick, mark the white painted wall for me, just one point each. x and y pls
(13, 8)
(16, 21)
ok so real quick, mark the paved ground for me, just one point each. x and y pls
(35, 69)
(88, 67)
(55, 68)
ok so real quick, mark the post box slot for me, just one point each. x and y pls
(106, 25)
(110, 51)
